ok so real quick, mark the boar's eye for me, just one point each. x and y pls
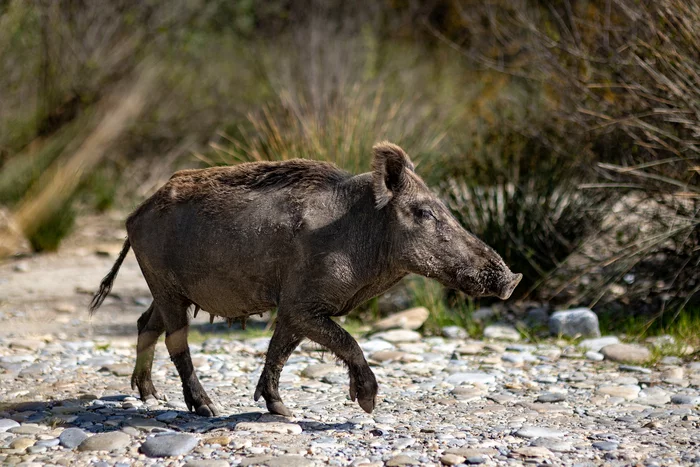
(424, 214)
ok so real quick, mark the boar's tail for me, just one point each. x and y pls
(106, 284)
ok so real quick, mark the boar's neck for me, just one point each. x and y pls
(365, 231)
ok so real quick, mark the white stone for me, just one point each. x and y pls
(626, 392)
(398, 335)
(375, 345)
(462, 378)
(501, 332)
(539, 432)
(596, 344)
(271, 427)
(595, 356)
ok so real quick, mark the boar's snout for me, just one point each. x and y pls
(509, 286)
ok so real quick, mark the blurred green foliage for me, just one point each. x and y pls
(49, 235)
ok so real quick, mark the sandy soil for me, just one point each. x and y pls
(48, 293)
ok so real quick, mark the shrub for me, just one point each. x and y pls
(48, 235)
(343, 132)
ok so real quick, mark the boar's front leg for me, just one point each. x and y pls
(284, 340)
(321, 329)
(176, 329)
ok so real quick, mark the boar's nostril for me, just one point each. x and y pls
(516, 279)
(508, 289)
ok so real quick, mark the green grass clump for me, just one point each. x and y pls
(683, 327)
(49, 234)
(342, 132)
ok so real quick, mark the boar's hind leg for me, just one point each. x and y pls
(326, 332)
(283, 342)
(150, 326)
(176, 328)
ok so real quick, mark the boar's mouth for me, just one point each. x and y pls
(488, 283)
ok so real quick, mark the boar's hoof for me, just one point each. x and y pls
(277, 407)
(367, 404)
(365, 391)
(209, 410)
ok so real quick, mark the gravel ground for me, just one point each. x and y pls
(441, 401)
(65, 397)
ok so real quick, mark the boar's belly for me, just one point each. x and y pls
(232, 292)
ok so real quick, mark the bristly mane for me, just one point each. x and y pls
(303, 174)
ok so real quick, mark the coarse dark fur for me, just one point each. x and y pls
(302, 236)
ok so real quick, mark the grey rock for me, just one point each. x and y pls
(322, 369)
(501, 332)
(553, 444)
(537, 317)
(48, 443)
(573, 323)
(654, 396)
(475, 460)
(483, 314)
(168, 417)
(632, 353)
(454, 332)
(72, 437)
(605, 445)
(451, 459)
(683, 399)
(671, 360)
(207, 463)
(410, 319)
(512, 358)
(289, 461)
(112, 441)
(168, 445)
(551, 397)
(627, 381)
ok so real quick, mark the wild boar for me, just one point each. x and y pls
(299, 235)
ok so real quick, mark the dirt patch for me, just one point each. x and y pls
(48, 293)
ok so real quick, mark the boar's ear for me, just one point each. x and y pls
(388, 171)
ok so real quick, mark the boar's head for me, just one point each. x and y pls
(426, 239)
